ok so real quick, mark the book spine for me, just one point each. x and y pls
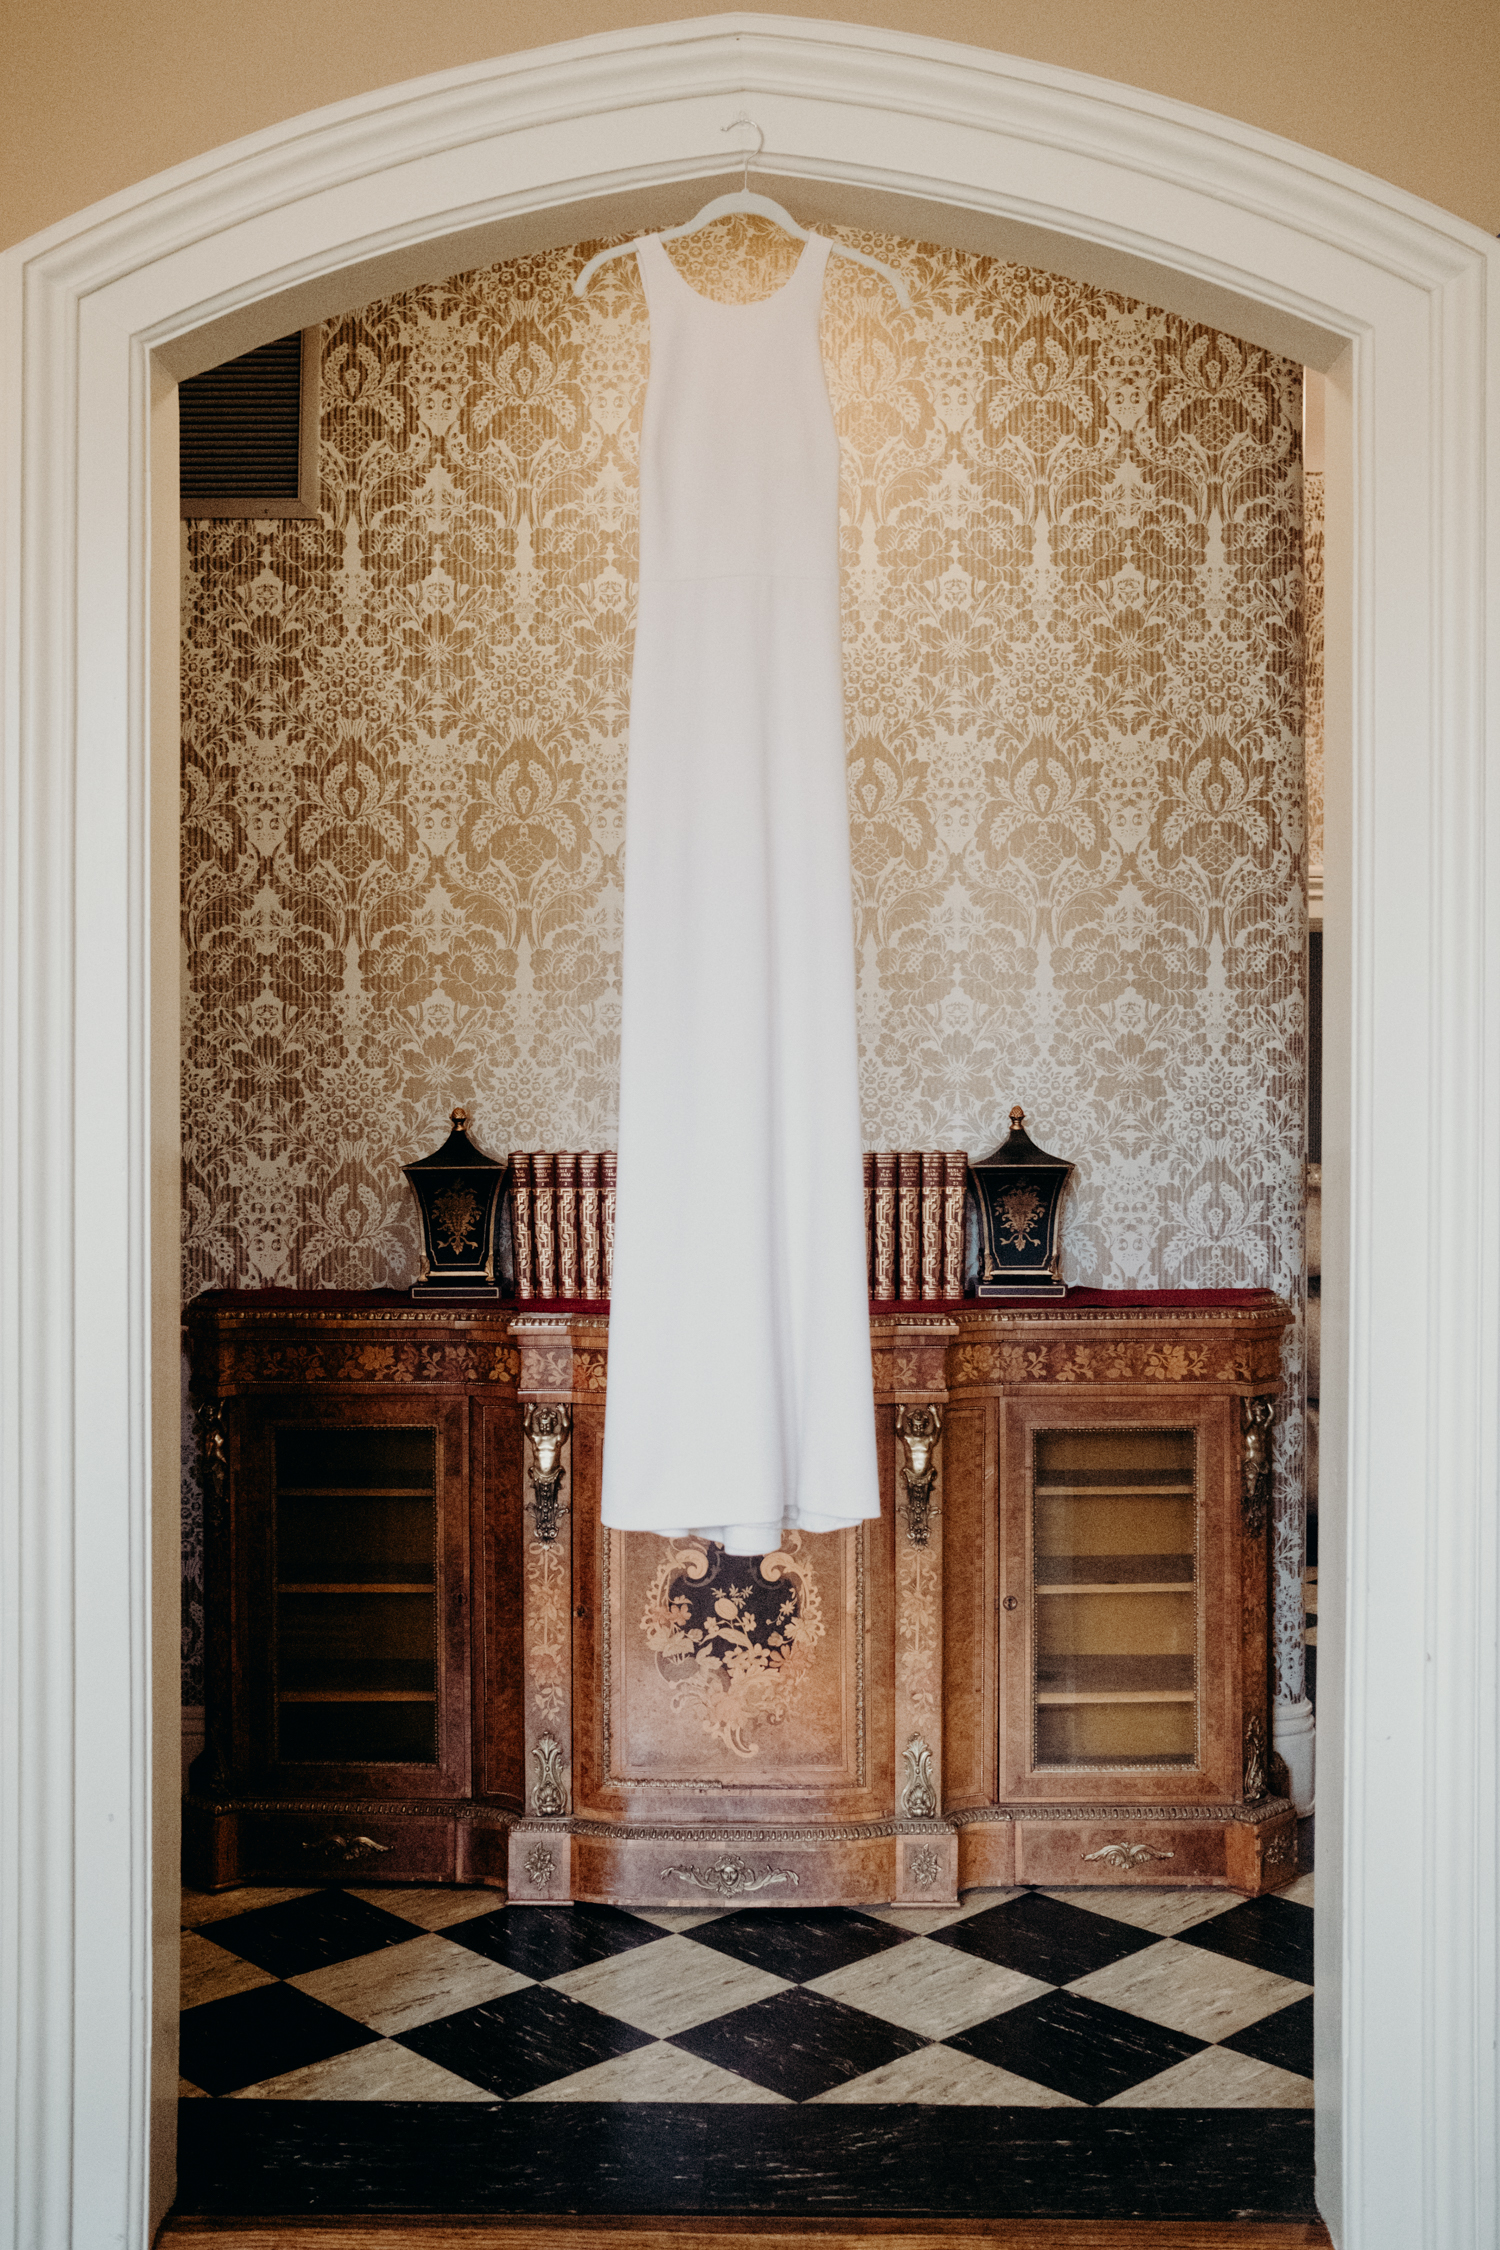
(909, 1222)
(607, 1217)
(520, 1224)
(885, 1225)
(588, 1224)
(544, 1232)
(567, 1224)
(955, 1186)
(932, 1223)
(869, 1173)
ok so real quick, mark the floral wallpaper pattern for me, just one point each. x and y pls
(1312, 688)
(1073, 665)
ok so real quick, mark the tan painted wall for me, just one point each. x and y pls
(97, 94)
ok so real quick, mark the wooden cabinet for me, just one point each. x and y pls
(1054, 1671)
(361, 1544)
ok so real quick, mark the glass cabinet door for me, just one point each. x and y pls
(355, 1670)
(1114, 1577)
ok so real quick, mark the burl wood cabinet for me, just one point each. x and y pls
(1046, 1663)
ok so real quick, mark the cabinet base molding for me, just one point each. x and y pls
(1243, 1848)
(1250, 1848)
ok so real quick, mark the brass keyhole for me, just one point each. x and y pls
(1010, 1602)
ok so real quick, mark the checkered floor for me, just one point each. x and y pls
(1116, 1999)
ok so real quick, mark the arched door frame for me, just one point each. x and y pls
(1194, 211)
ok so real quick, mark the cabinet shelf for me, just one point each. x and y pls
(356, 1695)
(354, 1491)
(1117, 1695)
(354, 1586)
(1133, 1489)
(1122, 1586)
(1115, 1573)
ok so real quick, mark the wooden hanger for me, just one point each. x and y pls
(760, 206)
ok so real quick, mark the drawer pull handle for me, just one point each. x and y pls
(344, 1847)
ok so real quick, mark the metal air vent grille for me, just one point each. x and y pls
(248, 433)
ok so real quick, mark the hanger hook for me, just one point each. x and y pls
(750, 154)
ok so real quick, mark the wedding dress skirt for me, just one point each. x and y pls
(740, 1401)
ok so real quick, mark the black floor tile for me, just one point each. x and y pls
(1285, 2039)
(525, 2040)
(1045, 1937)
(1076, 2046)
(979, 2163)
(309, 1933)
(237, 2042)
(545, 1941)
(798, 2043)
(1268, 1933)
(256, 2159)
(328, 2158)
(799, 1942)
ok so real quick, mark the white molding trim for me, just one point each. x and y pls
(1397, 300)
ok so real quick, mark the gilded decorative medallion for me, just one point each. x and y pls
(734, 1635)
(1020, 1216)
(456, 1217)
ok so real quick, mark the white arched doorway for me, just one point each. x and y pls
(1207, 217)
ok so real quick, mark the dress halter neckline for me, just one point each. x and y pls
(737, 305)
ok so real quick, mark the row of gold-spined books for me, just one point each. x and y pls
(563, 1223)
(914, 1223)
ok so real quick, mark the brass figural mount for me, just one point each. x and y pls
(919, 1428)
(547, 1428)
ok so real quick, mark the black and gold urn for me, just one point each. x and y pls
(458, 1194)
(1019, 1192)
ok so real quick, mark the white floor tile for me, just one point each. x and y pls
(202, 1907)
(929, 1988)
(653, 2074)
(1219, 2079)
(431, 1908)
(1166, 1912)
(667, 1987)
(1190, 1990)
(922, 1920)
(404, 1985)
(678, 1917)
(211, 1973)
(940, 2075)
(382, 2073)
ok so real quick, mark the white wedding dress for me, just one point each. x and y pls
(740, 1401)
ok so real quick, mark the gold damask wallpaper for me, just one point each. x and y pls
(1073, 662)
